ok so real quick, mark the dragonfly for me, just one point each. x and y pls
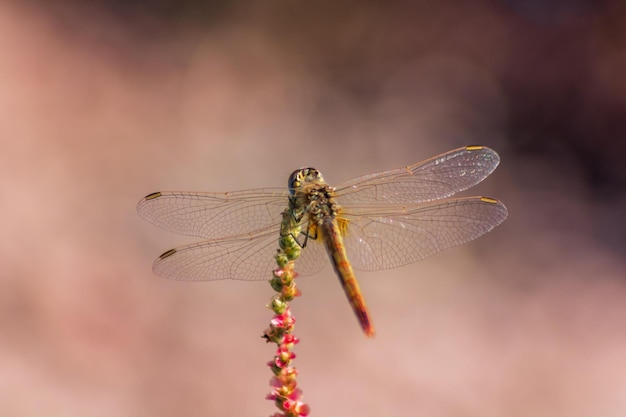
(373, 222)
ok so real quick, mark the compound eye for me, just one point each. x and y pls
(295, 180)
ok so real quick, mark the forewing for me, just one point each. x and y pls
(381, 238)
(243, 257)
(214, 215)
(433, 179)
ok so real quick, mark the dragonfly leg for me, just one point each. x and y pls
(306, 239)
(311, 232)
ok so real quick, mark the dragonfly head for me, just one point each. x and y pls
(303, 176)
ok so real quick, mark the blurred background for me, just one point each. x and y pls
(103, 102)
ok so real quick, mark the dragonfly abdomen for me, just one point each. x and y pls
(331, 234)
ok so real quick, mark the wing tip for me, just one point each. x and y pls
(487, 154)
(142, 203)
(503, 210)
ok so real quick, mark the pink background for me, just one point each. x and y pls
(103, 104)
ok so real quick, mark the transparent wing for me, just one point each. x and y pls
(433, 179)
(214, 215)
(381, 237)
(243, 257)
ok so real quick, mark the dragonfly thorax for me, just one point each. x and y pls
(318, 202)
(311, 200)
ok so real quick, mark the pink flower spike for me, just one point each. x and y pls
(284, 390)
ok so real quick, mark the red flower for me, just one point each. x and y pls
(289, 339)
(284, 320)
(283, 357)
(296, 407)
